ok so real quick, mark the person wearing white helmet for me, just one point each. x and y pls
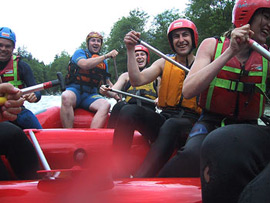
(87, 71)
(169, 127)
(148, 90)
(231, 78)
(15, 71)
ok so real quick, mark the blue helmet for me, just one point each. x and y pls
(7, 33)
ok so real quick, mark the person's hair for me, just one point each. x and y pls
(227, 34)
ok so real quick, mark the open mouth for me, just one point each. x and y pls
(140, 61)
(182, 46)
(265, 32)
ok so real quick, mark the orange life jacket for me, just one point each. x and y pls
(92, 77)
(170, 91)
(237, 92)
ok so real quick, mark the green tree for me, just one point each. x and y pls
(158, 32)
(59, 64)
(36, 66)
(135, 21)
(212, 17)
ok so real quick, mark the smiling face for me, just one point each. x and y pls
(260, 25)
(141, 58)
(94, 45)
(6, 49)
(182, 41)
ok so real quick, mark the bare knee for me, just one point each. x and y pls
(68, 99)
(101, 106)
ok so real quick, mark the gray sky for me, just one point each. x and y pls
(48, 27)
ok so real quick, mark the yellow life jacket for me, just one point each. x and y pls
(147, 90)
(170, 91)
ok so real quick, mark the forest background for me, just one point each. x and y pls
(212, 18)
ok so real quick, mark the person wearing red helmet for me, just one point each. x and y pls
(148, 90)
(165, 131)
(87, 71)
(231, 78)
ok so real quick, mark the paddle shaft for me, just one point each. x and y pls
(31, 89)
(39, 87)
(42, 158)
(159, 53)
(115, 69)
(42, 86)
(258, 48)
(133, 95)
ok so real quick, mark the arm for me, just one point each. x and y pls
(12, 105)
(204, 69)
(136, 77)
(27, 76)
(90, 63)
(121, 82)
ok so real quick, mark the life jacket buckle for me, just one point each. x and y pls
(233, 85)
(249, 88)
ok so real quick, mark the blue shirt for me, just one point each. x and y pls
(80, 54)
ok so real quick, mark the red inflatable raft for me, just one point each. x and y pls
(66, 149)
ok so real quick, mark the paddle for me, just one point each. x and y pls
(159, 53)
(131, 95)
(258, 48)
(46, 85)
(41, 156)
(115, 69)
(50, 174)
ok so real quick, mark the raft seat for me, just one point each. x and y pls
(50, 118)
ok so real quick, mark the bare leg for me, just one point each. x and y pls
(67, 113)
(101, 107)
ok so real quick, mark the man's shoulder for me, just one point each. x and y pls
(79, 54)
(23, 64)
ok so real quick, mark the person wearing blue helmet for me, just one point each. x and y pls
(15, 71)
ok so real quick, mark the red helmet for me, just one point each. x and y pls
(140, 47)
(183, 23)
(94, 35)
(243, 10)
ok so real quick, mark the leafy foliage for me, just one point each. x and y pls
(211, 17)
(135, 21)
(158, 31)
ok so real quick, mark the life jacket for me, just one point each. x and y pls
(237, 92)
(148, 90)
(10, 73)
(170, 91)
(92, 77)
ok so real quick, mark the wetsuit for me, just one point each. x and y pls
(19, 151)
(186, 163)
(26, 119)
(165, 131)
(132, 101)
(238, 158)
(242, 104)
